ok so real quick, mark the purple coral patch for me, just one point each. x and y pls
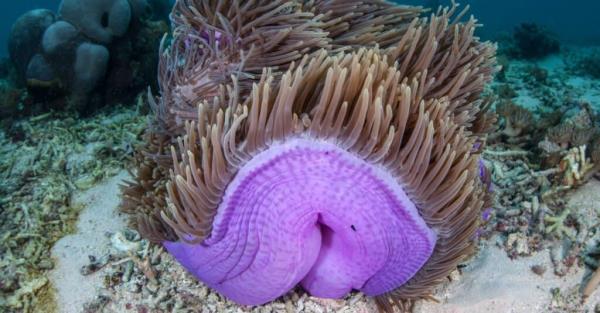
(309, 212)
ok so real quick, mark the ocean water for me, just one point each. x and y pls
(572, 20)
(78, 136)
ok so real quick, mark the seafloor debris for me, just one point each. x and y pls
(43, 160)
(534, 170)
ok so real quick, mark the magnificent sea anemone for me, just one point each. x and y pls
(331, 144)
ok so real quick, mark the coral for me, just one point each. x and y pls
(532, 41)
(25, 36)
(57, 37)
(94, 53)
(557, 225)
(516, 118)
(588, 64)
(595, 151)
(581, 136)
(39, 72)
(505, 91)
(561, 134)
(101, 20)
(575, 166)
(537, 75)
(11, 99)
(574, 131)
(258, 102)
(90, 66)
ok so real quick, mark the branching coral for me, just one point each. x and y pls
(283, 152)
(557, 225)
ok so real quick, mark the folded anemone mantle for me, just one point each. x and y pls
(331, 144)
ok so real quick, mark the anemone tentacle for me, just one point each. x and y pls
(345, 100)
(377, 83)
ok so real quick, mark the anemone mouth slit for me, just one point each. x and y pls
(306, 198)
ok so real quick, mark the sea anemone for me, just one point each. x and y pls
(581, 136)
(561, 134)
(346, 166)
(516, 118)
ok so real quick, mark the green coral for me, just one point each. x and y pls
(557, 225)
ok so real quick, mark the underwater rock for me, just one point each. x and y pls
(101, 20)
(25, 37)
(517, 119)
(532, 41)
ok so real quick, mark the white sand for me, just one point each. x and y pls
(493, 283)
(490, 283)
(98, 218)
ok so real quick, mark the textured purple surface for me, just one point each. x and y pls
(308, 212)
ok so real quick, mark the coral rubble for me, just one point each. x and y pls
(44, 160)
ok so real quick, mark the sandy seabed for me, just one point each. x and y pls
(98, 269)
(490, 282)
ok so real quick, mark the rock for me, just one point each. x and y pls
(519, 242)
(100, 20)
(25, 37)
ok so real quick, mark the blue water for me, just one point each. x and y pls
(10, 10)
(574, 21)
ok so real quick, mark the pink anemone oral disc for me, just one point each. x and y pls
(307, 211)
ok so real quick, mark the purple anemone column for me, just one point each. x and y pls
(305, 211)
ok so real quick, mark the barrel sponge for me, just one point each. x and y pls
(57, 36)
(39, 72)
(25, 36)
(101, 20)
(90, 66)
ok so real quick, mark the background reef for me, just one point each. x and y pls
(78, 58)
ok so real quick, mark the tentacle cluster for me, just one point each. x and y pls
(399, 91)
